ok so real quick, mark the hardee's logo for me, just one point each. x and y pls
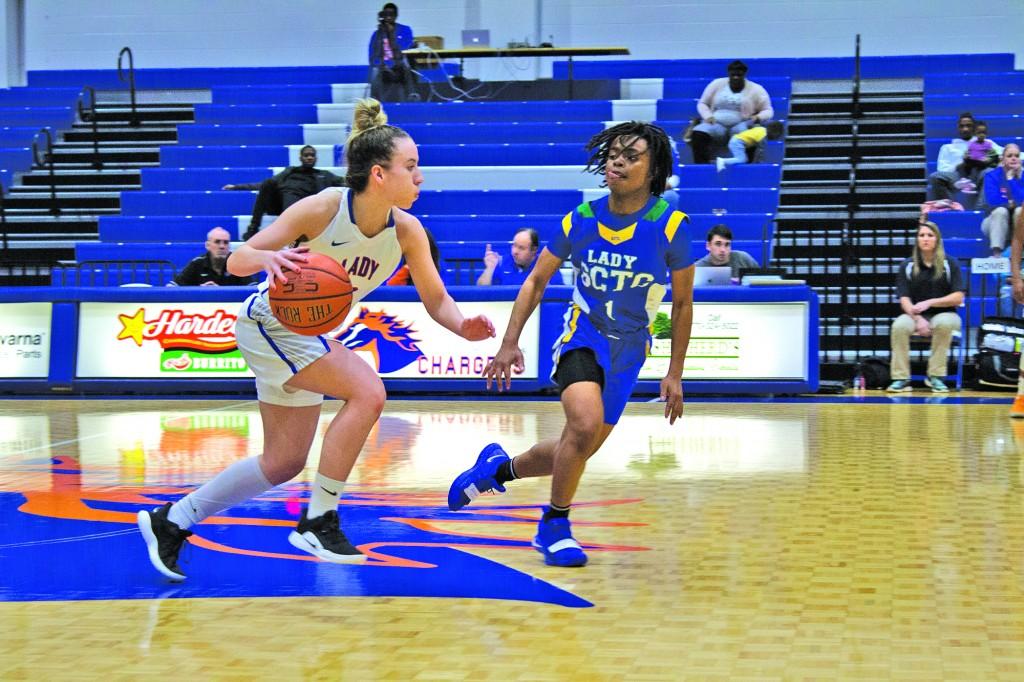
(175, 329)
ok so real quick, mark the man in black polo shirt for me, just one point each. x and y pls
(209, 269)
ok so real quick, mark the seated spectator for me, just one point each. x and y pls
(744, 144)
(1003, 194)
(524, 255)
(402, 276)
(980, 156)
(284, 189)
(209, 269)
(391, 77)
(721, 253)
(942, 183)
(728, 106)
(930, 287)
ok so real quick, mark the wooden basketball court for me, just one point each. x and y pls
(753, 540)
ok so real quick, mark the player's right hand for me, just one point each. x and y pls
(276, 261)
(499, 370)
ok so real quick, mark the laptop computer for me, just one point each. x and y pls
(476, 38)
(712, 276)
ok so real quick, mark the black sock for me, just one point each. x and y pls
(556, 512)
(505, 473)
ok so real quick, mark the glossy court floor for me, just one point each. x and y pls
(753, 540)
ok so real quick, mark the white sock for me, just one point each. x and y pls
(239, 482)
(1020, 384)
(324, 495)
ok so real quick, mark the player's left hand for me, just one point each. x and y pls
(1018, 291)
(477, 328)
(919, 308)
(672, 394)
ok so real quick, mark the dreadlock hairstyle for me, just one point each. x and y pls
(370, 143)
(658, 147)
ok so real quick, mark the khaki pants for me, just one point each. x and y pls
(943, 325)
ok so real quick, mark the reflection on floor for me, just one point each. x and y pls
(751, 540)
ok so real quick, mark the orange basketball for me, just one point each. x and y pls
(313, 301)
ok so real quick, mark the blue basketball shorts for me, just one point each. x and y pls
(620, 358)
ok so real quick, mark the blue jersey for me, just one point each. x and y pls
(622, 262)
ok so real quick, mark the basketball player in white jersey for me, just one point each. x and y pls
(364, 227)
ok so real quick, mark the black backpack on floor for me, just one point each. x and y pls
(1000, 340)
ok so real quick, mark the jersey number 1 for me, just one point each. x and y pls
(608, 310)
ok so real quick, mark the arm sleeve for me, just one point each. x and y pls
(559, 244)
(189, 275)
(948, 159)
(680, 250)
(763, 105)
(902, 283)
(992, 185)
(956, 278)
(706, 98)
(369, 50)
(404, 38)
(748, 261)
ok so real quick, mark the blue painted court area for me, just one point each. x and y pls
(73, 542)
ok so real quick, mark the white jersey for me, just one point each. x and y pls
(370, 261)
(273, 352)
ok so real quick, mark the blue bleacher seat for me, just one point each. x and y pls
(163, 228)
(178, 253)
(40, 117)
(752, 175)
(38, 97)
(958, 224)
(255, 113)
(241, 133)
(999, 126)
(981, 105)
(906, 66)
(277, 94)
(956, 83)
(685, 109)
(201, 178)
(180, 156)
(576, 110)
(17, 136)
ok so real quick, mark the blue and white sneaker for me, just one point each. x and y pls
(479, 478)
(554, 540)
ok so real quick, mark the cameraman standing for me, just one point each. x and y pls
(391, 79)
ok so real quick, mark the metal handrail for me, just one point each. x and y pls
(852, 203)
(134, 119)
(88, 115)
(3, 217)
(47, 159)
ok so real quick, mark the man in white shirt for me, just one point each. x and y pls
(942, 183)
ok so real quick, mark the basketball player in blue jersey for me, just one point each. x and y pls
(621, 247)
(365, 227)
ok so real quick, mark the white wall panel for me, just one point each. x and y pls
(61, 34)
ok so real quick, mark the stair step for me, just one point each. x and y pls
(34, 193)
(66, 190)
(108, 165)
(107, 145)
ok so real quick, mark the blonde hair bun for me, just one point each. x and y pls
(368, 114)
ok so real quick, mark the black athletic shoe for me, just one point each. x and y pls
(164, 539)
(322, 537)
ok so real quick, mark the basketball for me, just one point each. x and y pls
(313, 301)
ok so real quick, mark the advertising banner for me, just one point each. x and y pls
(738, 341)
(180, 340)
(25, 340)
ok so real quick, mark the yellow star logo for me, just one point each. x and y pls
(133, 327)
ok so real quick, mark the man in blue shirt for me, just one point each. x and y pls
(391, 79)
(524, 255)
